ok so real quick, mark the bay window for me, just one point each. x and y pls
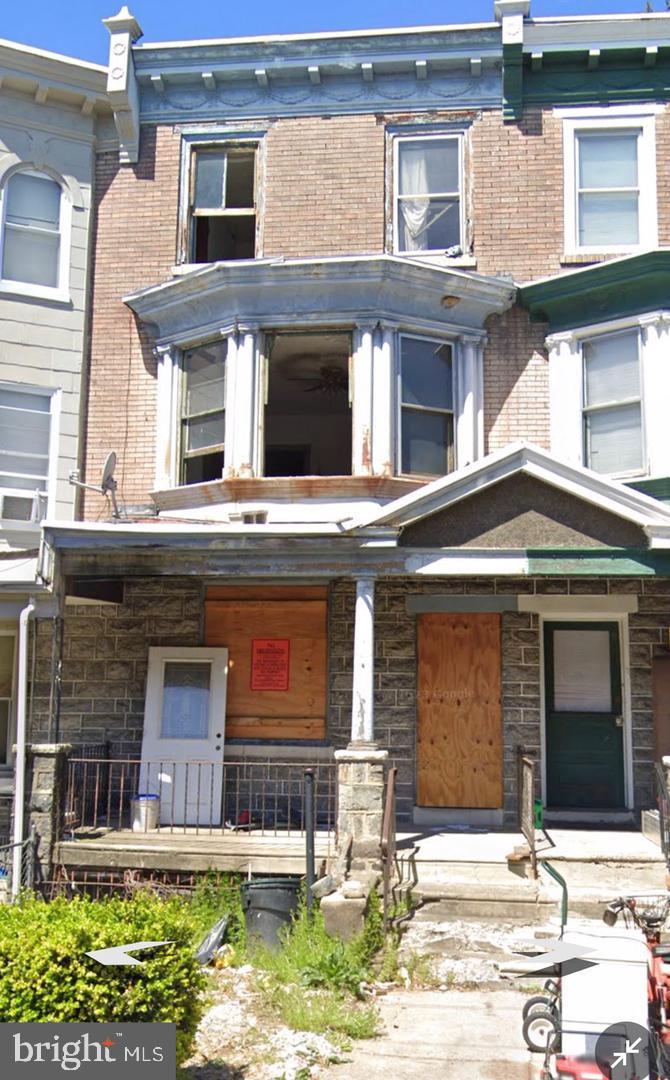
(426, 400)
(612, 412)
(25, 436)
(203, 412)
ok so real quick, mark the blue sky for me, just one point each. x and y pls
(80, 33)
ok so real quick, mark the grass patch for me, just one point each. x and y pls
(326, 1013)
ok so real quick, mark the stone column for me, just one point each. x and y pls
(47, 780)
(360, 806)
(361, 767)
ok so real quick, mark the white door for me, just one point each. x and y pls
(182, 746)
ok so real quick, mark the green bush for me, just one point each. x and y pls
(46, 976)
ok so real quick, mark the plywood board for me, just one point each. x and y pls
(459, 738)
(298, 712)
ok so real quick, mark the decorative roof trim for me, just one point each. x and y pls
(523, 457)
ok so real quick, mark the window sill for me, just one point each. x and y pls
(461, 262)
(9, 525)
(586, 258)
(283, 488)
(35, 292)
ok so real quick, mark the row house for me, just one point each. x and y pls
(53, 111)
(379, 336)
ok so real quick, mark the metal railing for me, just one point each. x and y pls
(202, 797)
(388, 845)
(29, 866)
(663, 804)
(526, 803)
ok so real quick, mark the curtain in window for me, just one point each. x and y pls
(415, 211)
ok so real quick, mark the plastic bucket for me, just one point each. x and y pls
(145, 810)
(269, 904)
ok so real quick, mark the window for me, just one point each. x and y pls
(203, 412)
(223, 203)
(428, 194)
(610, 183)
(308, 411)
(25, 433)
(426, 407)
(31, 230)
(612, 404)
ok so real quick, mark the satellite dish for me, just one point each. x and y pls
(108, 483)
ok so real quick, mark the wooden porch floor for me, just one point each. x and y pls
(188, 850)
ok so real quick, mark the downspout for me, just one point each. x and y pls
(20, 767)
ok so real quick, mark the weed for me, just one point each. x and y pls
(326, 1013)
(214, 896)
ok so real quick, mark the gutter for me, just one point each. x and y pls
(20, 765)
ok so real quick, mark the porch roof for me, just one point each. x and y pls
(624, 502)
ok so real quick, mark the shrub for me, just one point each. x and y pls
(46, 976)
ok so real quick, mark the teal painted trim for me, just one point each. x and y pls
(607, 290)
(512, 88)
(658, 488)
(620, 76)
(598, 562)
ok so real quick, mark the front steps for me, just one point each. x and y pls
(469, 875)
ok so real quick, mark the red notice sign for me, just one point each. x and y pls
(269, 663)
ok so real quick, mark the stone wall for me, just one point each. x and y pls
(105, 651)
(396, 670)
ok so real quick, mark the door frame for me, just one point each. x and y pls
(626, 706)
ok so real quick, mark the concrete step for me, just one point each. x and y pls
(487, 871)
(524, 901)
(651, 826)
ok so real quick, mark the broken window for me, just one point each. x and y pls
(223, 204)
(308, 411)
(426, 407)
(203, 413)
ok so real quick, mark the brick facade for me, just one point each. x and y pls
(105, 653)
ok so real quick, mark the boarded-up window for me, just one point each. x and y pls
(238, 620)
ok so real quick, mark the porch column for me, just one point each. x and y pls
(361, 767)
(383, 413)
(46, 799)
(362, 713)
(565, 395)
(166, 418)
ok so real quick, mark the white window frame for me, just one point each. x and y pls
(52, 470)
(603, 120)
(566, 390)
(420, 408)
(589, 409)
(59, 293)
(398, 140)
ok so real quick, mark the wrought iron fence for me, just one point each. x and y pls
(265, 797)
(526, 803)
(663, 804)
(29, 866)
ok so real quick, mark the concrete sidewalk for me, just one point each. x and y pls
(451, 1035)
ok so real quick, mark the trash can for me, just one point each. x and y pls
(145, 810)
(268, 905)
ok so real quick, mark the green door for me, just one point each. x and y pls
(584, 744)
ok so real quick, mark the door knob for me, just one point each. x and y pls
(218, 734)
(618, 720)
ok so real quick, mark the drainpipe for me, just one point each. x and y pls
(20, 769)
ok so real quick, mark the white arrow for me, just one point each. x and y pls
(561, 953)
(622, 1057)
(117, 955)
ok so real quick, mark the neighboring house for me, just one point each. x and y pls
(50, 109)
(380, 335)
